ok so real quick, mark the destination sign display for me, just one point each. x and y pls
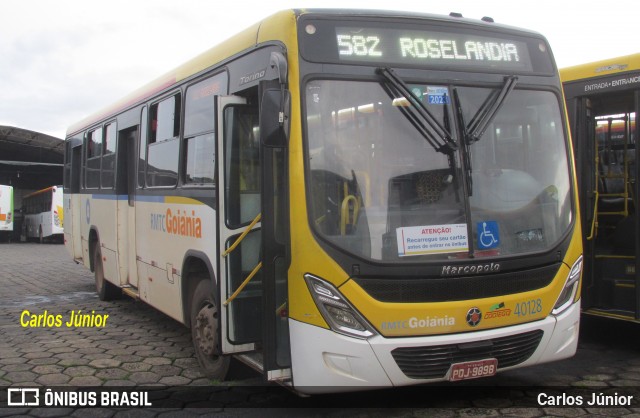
(429, 48)
(442, 46)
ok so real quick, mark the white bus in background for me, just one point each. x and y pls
(6, 212)
(43, 214)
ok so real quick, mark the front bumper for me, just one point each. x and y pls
(324, 361)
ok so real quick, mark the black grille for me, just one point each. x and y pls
(434, 362)
(443, 289)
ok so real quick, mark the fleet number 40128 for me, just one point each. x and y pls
(530, 307)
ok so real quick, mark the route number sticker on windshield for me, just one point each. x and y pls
(438, 95)
(432, 239)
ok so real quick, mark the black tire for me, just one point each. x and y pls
(105, 289)
(205, 320)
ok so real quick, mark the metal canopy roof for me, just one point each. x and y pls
(18, 144)
(28, 159)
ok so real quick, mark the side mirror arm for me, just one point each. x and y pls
(278, 62)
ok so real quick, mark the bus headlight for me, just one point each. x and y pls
(570, 288)
(336, 310)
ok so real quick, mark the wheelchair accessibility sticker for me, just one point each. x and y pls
(488, 235)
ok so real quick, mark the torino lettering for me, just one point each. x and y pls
(450, 49)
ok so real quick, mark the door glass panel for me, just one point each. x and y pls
(245, 309)
(283, 352)
(242, 165)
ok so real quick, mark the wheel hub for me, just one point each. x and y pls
(206, 330)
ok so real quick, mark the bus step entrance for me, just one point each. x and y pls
(624, 295)
(132, 292)
(618, 281)
(611, 313)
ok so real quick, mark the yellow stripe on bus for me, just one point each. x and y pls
(182, 200)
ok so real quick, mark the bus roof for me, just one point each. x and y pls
(46, 189)
(262, 31)
(451, 18)
(238, 42)
(601, 68)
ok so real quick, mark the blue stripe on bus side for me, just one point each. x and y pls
(156, 199)
(153, 199)
(109, 196)
(149, 199)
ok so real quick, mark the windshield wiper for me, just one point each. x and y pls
(473, 132)
(481, 120)
(466, 164)
(488, 111)
(438, 136)
(466, 142)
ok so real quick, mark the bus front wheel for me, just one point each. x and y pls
(204, 332)
(105, 289)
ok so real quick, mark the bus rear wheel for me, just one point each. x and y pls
(105, 289)
(204, 332)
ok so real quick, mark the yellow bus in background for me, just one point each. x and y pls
(343, 200)
(603, 100)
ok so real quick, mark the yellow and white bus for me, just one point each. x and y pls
(603, 101)
(43, 214)
(6, 211)
(342, 200)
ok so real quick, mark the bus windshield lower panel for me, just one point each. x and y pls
(381, 190)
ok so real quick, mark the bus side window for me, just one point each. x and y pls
(108, 156)
(142, 147)
(66, 175)
(199, 129)
(92, 167)
(164, 145)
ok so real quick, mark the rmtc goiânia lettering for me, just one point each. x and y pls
(178, 223)
(426, 322)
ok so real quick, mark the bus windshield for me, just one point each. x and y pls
(380, 190)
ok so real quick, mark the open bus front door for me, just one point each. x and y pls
(606, 131)
(240, 235)
(252, 273)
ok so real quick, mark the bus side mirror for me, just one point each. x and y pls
(275, 112)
